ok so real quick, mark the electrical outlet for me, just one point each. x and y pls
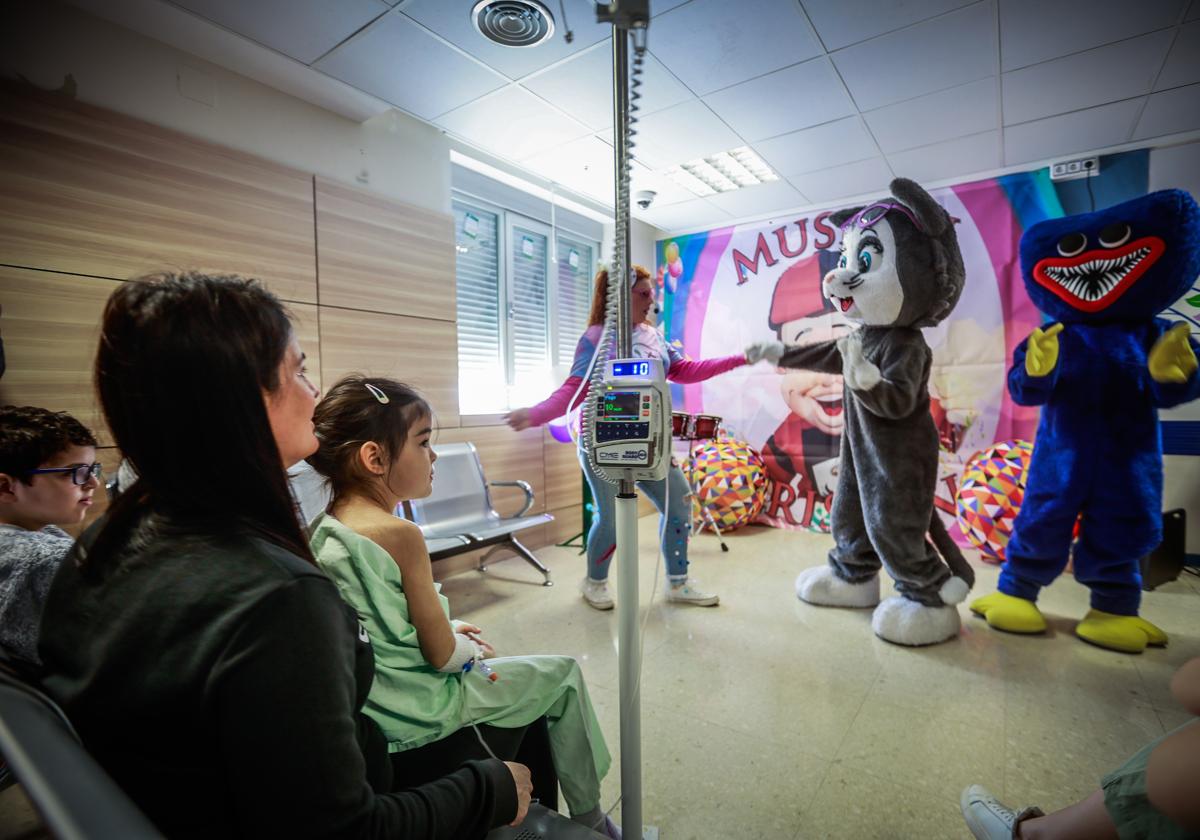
(1079, 168)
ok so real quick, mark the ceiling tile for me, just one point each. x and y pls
(817, 148)
(696, 214)
(1082, 131)
(584, 165)
(680, 133)
(953, 49)
(1105, 74)
(400, 62)
(1194, 11)
(302, 29)
(1183, 62)
(711, 44)
(957, 112)
(838, 182)
(1037, 30)
(840, 23)
(661, 6)
(666, 191)
(759, 200)
(1170, 112)
(795, 97)
(939, 161)
(452, 20)
(582, 86)
(513, 123)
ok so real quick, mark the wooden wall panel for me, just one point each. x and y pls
(418, 351)
(383, 256)
(564, 477)
(308, 332)
(568, 521)
(88, 191)
(51, 326)
(506, 456)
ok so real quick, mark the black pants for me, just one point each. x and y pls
(529, 745)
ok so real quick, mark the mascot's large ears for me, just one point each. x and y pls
(842, 216)
(934, 218)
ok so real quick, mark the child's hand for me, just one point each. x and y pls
(473, 632)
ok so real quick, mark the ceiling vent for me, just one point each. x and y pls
(513, 23)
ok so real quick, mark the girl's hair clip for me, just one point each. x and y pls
(377, 394)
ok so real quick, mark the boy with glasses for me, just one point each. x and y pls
(48, 474)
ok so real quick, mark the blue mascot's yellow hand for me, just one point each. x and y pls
(1172, 359)
(1041, 353)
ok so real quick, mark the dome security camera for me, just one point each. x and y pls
(644, 198)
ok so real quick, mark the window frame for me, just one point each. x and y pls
(507, 221)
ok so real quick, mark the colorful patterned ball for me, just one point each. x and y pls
(990, 496)
(728, 479)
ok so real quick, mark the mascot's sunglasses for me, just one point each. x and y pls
(79, 475)
(873, 213)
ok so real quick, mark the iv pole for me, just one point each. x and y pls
(624, 17)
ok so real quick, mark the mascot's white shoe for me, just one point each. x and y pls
(820, 586)
(904, 622)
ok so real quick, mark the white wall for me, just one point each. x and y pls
(1176, 166)
(403, 158)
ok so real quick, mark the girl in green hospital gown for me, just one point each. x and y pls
(375, 452)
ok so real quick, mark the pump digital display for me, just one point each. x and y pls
(621, 405)
(631, 369)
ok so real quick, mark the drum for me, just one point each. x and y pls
(681, 425)
(705, 426)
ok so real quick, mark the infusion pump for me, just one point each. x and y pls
(631, 435)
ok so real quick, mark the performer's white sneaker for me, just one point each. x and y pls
(687, 591)
(596, 593)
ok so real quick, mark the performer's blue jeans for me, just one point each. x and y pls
(672, 497)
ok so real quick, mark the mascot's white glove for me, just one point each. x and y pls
(770, 351)
(859, 372)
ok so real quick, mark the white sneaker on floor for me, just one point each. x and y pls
(987, 818)
(688, 592)
(596, 593)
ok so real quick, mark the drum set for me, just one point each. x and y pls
(693, 427)
(687, 429)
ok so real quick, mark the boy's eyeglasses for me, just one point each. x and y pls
(79, 475)
(873, 213)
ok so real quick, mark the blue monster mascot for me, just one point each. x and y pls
(1100, 373)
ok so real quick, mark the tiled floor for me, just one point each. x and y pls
(769, 718)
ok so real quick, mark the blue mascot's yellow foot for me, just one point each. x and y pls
(1009, 613)
(1126, 633)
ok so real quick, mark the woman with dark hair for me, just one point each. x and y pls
(672, 495)
(435, 698)
(207, 663)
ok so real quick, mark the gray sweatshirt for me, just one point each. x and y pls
(28, 561)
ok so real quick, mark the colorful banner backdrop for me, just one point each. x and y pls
(726, 288)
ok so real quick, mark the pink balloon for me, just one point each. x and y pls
(676, 268)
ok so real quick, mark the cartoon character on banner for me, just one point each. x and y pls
(801, 456)
(900, 270)
(1100, 371)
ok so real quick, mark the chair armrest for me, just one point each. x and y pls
(524, 485)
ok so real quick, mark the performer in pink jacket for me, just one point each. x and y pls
(673, 501)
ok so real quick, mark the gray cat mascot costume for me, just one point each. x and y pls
(900, 270)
